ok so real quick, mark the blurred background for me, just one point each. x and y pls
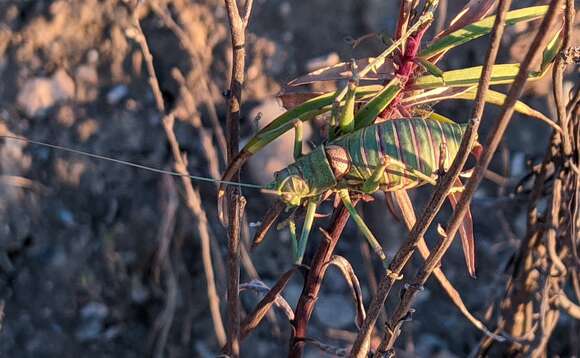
(87, 267)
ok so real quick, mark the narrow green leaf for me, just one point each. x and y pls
(367, 115)
(304, 112)
(431, 67)
(551, 50)
(480, 28)
(440, 118)
(504, 73)
(498, 99)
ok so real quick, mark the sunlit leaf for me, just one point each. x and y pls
(551, 50)
(498, 99)
(430, 67)
(342, 71)
(477, 29)
(433, 96)
(504, 73)
(473, 11)
(292, 100)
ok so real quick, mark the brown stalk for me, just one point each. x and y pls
(491, 145)
(183, 38)
(314, 279)
(193, 200)
(163, 322)
(547, 257)
(361, 344)
(558, 77)
(238, 27)
(454, 295)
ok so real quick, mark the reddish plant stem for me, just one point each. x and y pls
(313, 282)
(406, 69)
(408, 59)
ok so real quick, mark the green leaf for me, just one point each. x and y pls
(498, 99)
(492, 97)
(480, 28)
(551, 51)
(306, 111)
(504, 73)
(440, 118)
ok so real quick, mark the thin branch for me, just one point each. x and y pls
(491, 145)
(405, 8)
(193, 199)
(438, 197)
(238, 34)
(558, 77)
(247, 12)
(571, 308)
(193, 51)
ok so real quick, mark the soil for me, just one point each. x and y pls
(80, 238)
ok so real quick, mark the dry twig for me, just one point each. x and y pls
(490, 147)
(361, 345)
(238, 27)
(193, 200)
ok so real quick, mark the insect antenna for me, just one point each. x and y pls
(131, 164)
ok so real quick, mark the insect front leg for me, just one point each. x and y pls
(346, 119)
(377, 248)
(306, 228)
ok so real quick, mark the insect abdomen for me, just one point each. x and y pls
(406, 144)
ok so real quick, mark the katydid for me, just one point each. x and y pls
(393, 155)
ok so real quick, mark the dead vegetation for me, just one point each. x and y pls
(98, 259)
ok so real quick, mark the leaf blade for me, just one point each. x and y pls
(342, 71)
(480, 28)
(465, 77)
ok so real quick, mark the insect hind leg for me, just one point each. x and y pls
(375, 245)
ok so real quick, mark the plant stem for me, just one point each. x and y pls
(492, 143)
(238, 26)
(361, 344)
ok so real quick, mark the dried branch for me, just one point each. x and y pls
(490, 147)
(193, 52)
(353, 283)
(260, 287)
(409, 216)
(558, 77)
(571, 308)
(193, 200)
(360, 346)
(238, 26)
(164, 321)
(253, 319)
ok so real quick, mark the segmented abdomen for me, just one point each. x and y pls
(406, 144)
